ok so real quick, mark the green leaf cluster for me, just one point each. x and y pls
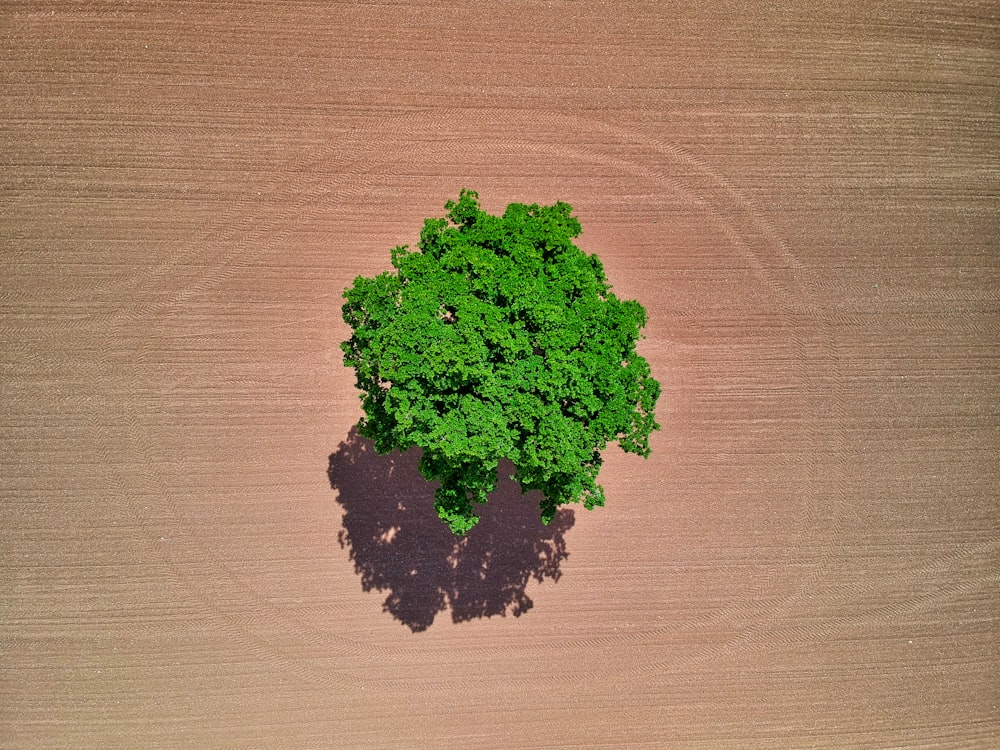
(499, 338)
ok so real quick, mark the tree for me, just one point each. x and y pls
(500, 338)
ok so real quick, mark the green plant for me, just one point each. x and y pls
(500, 339)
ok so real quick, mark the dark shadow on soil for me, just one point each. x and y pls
(399, 545)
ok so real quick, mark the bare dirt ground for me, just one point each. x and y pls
(196, 551)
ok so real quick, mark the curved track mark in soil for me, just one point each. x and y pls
(298, 190)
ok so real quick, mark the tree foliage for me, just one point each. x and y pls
(499, 338)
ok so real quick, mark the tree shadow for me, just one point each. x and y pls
(398, 544)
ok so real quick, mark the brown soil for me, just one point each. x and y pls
(803, 196)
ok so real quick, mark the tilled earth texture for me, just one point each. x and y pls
(198, 551)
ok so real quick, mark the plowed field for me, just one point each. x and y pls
(197, 551)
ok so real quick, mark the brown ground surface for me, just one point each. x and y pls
(805, 199)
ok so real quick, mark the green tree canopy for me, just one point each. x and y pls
(500, 339)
